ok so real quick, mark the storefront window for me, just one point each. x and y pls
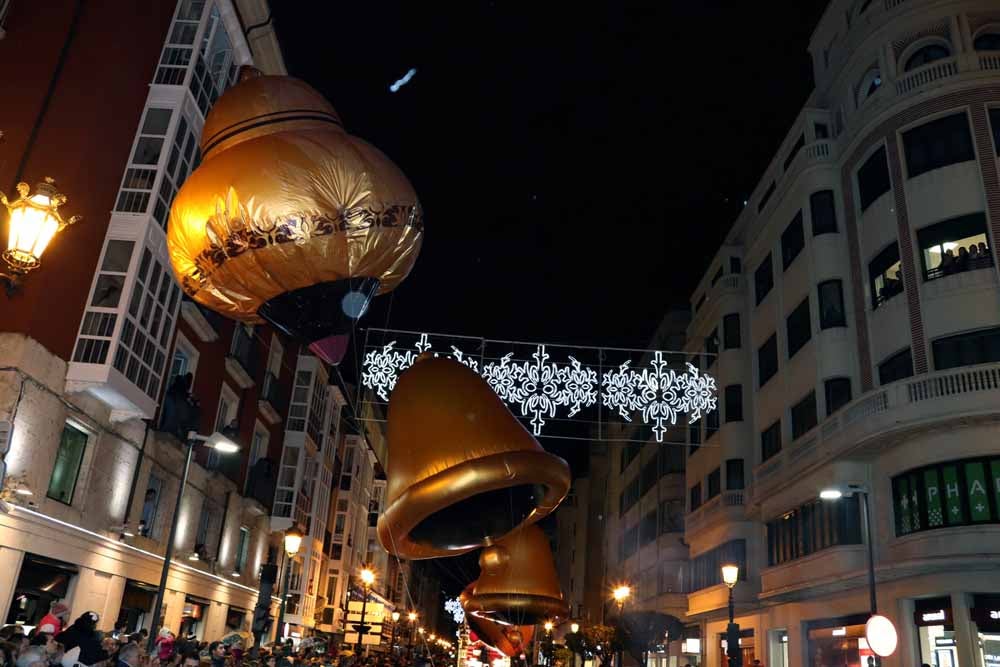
(838, 641)
(936, 632)
(191, 617)
(952, 493)
(746, 648)
(40, 582)
(985, 614)
(137, 603)
(778, 641)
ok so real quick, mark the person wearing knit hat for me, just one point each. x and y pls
(54, 621)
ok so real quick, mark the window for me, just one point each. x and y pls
(870, 82)
(770, 441)
(831, 304)
(69, 459)
(897, 367)
(838, 394)
(824, 212)
(734, 403)
(937, 144)
(977, 347)
(987, 41)
(821, 130)
(765, 197)
(706, 569)
(696, 496)
(95, 333)
(242, 549)
(799, 327)
(150, 503)
(735, 266)
(792, 241)
(717, 277)
(813, 527)
(799, 143)
(885, 275)
(671, 516)
(205, 522)
(258, 446)
(804, 416)
(995, 128)
(954, 246)
(137, 184)
(946, 494)
(734, 475)
(694, 437)
(670, 460)
(712, 346)
(630, 543)
(648, 527)
(767, 360)
(926, 55)
(714, 483)
(711, 424)
(731, 331)
(649, 475)
(763, 279)
(873, 179)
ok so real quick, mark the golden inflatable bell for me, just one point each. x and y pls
(508, 639)
(518, 584)
(289, 218)
(462, 471)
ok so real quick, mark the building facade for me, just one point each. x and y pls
(852, 322)
(103, 365)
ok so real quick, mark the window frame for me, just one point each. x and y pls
(182, 343)
(826, 322)
(713, 481)
(799, 429)
(977, 336)
(762, 381)
(730, 470)
(817, 198)
(798, 341)
(934, 231)
(867, 168)
(899, 354)
(775, 430)
(730, 417)
(827, 384)
(793, 241)
(734, 342)
(759, 296)
(877, 299)
(908, 140)
(919, 46)
(81, 465)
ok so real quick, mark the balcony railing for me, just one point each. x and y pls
(940, 69)
(706, 512)
(919, 400)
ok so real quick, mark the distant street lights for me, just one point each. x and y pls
(730, 575)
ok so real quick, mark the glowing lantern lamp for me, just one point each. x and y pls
(289, 218)
(34, 221)
(881, 635)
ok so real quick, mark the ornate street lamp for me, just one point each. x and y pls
(621, 594)
(293, 542)
(730, 575)
(395, 622)
(34, 221)
(412, 617)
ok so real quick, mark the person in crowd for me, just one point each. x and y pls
(962, 263)
(53, 649)
(217, 654)
(83, 635)
(129, 656)
(948, 262)
(164, 645)
(54, 622)
(973, 253)
(7, 654)
(984, 250)
(33, 656)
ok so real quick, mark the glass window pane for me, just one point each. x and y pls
(799, 328)
(156, 122)
(117, 256)
(147, 150)
(873, 179)
(62, 484)
(838, 394)
(831, 305)
(107, 291)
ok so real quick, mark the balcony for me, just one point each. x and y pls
(273, 401)
(240, 360)
(726, 285)
(204, 322)
(880, 417)
(727, 506)
(922, 76)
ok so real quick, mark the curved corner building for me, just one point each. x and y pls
(855, 310)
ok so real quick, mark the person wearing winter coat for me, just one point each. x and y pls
(83, 635)
(54, 622)
(164, 645)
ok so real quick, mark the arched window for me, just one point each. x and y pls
(869, 84)
(987, 41)
(926, 55)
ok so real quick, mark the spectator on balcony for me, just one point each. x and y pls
(984, 250)
(962, 263)
(948, 262)
(181, 411)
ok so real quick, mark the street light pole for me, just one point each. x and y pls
(395, 622)
(367, 578)
(871, 551)
(154, 629)
(292, 541)
(621, 594)
(730, 575)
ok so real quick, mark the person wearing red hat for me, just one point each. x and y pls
(54, 621)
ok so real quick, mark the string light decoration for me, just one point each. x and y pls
(454, 607)
(541, 389)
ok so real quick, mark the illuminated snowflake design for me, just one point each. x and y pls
(454, 607)
(659, 393)
(383, 367)
(539, 388)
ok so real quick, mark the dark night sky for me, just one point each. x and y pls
(578, 166)
(574, 163)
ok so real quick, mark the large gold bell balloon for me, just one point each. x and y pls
(517, 582)
(508, 639)
(462, 471)
(289, 218)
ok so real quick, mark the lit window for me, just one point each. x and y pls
(925, 55)
(69, 459)
(885, 275)
(955, 246)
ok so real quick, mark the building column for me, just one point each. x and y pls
(214, 624)
(91, 593)
(966, 639)
(10, 562)
(909, 635)
(113, 602)
(173, 610)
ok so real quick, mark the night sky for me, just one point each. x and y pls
(578, 166)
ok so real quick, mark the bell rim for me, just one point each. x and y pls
(525, 466)
(538, 606)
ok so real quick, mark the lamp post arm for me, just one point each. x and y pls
(158, 607)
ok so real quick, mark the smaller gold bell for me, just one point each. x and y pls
(508, 639)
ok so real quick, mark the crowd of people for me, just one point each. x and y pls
(54, 644)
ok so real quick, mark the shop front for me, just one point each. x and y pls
(746, 648)
(838, 642)
(985, 615)
(40, 582)
(137, 606)
(193, 616)
(935, 624)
